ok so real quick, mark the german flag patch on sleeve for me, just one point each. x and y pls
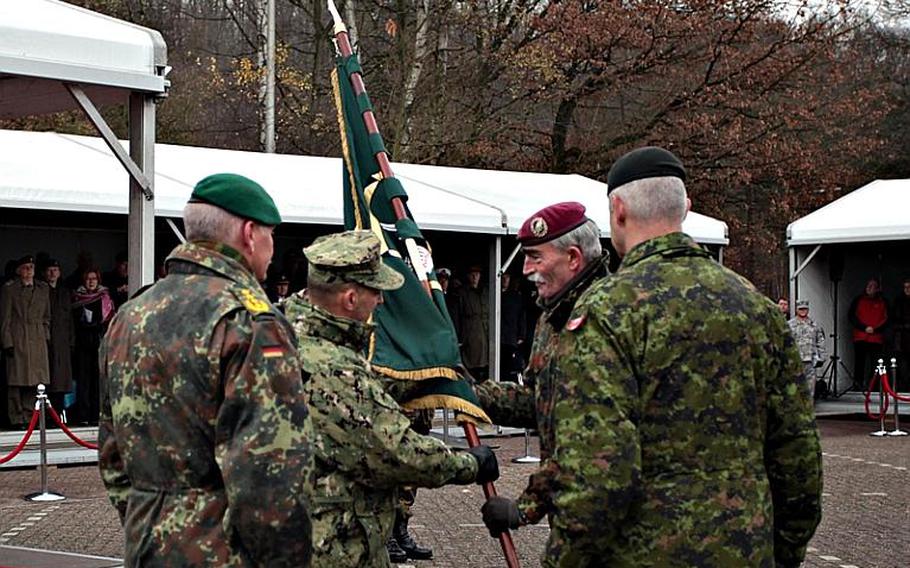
(272, 351)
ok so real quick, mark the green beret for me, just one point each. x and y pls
(238, 195)
(643, 163)
(351, 256)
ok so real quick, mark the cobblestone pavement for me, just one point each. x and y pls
(866, 522)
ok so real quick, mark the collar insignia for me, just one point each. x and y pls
(576, 323)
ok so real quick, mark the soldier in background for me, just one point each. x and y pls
(783, 305)
(25, 319)
(205, 439)
(684, 435)
(365, 447)
(810, 340)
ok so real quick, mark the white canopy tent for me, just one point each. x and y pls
(55, 57)
(835, 250)
(306, 188)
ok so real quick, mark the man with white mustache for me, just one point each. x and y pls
(563, 257)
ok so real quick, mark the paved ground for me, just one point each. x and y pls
(866, 521)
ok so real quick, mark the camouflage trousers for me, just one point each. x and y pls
(809, 377)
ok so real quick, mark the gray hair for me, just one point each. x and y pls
(586, 237)
(206, 222)
(654, 199)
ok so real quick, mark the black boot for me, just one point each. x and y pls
(406, 542)
(396, 554)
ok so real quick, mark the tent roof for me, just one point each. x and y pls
(43, 42)
(877, 211)
(86, 177)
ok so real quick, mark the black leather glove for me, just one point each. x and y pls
(818, 364)
(487, 466)
(500, 514)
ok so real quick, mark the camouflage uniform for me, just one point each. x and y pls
(205, 436)
(365, 447)
(682, 437)
(810, 340)
(531, 405)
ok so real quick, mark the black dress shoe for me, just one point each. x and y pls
(396, 554)
(413, 550)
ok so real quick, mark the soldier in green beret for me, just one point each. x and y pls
(684, 435)
(365, 448)
(205, 437)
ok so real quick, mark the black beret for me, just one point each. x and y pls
(643, 163)
(27, 259)
(51, 262)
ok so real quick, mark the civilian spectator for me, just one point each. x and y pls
(93, 308)
(63, 337)
(24, 333)
(83, 263)
(117, 280)
(868, 315)
(512, 330)
(783, 305)
(472, 326)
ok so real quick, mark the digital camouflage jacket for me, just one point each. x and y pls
(364, 446)
(683, 435)
(531, 406)
(205, 439)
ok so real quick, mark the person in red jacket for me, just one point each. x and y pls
(868, 315)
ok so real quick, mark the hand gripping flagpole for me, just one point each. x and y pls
(343, 44)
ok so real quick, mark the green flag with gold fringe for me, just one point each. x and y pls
(414, 338)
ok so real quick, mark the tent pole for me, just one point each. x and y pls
(495, 295)
(793, 282)
(141, 221)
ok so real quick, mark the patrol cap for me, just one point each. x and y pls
(802, 304)
(27, 259)
(351, 256)
(643, 163)
(552, 222)
(238, 195)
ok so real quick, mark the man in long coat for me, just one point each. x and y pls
(63, 336)
(472, 324)
(24, 333)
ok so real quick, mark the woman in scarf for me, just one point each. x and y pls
(92, 310)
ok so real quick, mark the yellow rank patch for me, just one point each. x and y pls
(253, 303)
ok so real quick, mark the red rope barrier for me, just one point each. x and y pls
(890, 391)
(884, 408)
(67, 431)
(28, 434)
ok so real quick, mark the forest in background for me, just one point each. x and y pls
(775, 107)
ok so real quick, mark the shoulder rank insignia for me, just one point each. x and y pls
(576, 323)
(252, 303)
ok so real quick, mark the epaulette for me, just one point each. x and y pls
(253, 302)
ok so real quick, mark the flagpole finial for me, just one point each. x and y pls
(336, 17)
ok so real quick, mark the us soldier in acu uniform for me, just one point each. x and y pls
(685, 435)
(810, 340)
(365, 447)
(563, 257)
(205, 439)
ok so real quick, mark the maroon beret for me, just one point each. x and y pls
(552, 222)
